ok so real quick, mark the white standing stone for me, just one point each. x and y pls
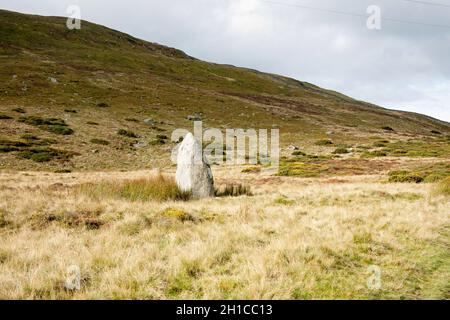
(193, 171)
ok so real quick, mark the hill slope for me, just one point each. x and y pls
(96, 81)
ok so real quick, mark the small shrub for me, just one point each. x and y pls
(58, 129)
(103, 105)
(233, 190)
(157, 129)
(157, 142)
(284, 201)
(70, 111)
(443, 187)
(436, 132)
(405, 177)
(380, 144)
(298, 153)
(4, 117)
(341, 150)
(100, 141)
(63, 171)
(29, 137)
(252, 170)
(324, 142)
(131, 120)
(161, 137)
(127, 133)
(387, 128)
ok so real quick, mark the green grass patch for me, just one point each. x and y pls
(53, 125)
(301, 169)
(45, 154)
(405, 176)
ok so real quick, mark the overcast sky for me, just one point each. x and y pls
(402, 66)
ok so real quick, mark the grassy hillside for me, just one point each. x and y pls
(66, 95)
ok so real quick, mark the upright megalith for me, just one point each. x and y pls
(193, 171)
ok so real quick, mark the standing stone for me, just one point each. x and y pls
(193, 171)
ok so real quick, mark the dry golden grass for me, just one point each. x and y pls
(443, 187)
(317, 243)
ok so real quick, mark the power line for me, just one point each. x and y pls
(429, 3)
(353, 14)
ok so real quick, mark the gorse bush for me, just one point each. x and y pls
(159, 188)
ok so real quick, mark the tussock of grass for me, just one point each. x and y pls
(252, 170)
(341, 150)
(177, 214)
(233, 190)
(324, 142)
(284, 201)
(100, 141)
(443, 187)
(158, 188)
(127, 133)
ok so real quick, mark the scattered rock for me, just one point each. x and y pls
(195, 117)
(150, 122)
(140, 145)
(53, 80)
(330, 132)
(193, 171)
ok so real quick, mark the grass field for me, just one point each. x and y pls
(294, 238)
(361, 196)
